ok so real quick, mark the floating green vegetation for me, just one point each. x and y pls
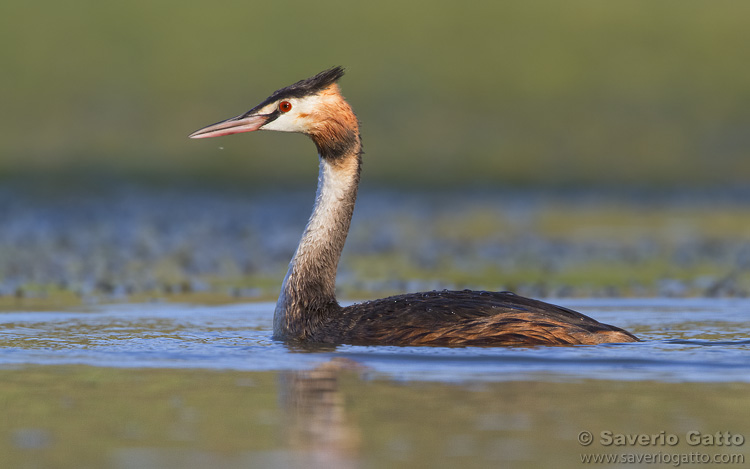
(213, 248)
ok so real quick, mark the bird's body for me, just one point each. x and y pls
(460, 318)
(307, 309)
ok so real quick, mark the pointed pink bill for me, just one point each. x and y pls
(231, 126)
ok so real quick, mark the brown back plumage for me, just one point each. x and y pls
(463, 318)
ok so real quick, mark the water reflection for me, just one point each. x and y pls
(336, 415)
(317, 426)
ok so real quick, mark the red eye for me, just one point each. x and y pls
(285, 106)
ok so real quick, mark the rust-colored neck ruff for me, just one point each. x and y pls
(308, 294)
(335, 131)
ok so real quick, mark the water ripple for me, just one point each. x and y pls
(683, 341)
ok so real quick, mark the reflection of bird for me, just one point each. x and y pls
(307, 309)
(318, 428)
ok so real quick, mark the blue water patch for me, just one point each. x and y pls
(697, 340)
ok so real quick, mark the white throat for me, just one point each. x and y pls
(310, 283)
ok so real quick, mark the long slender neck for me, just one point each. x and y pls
(308, 294)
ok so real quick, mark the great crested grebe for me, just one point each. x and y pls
(307, 310)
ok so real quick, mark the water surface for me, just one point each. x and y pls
(171, 385)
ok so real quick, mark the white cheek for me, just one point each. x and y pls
(299, 119)
(284, 123)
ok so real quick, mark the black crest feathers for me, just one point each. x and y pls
(310, 85)
(302, 88)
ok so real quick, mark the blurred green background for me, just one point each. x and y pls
(644, 93)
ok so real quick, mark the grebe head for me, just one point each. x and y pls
(313, 106)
